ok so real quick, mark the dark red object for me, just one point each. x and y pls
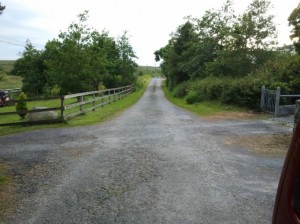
(287, 204)
(4, 99)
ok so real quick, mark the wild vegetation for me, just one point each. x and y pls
(227, 57)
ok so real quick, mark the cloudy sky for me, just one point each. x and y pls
(149, 23)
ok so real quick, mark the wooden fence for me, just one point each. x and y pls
(70, 105)
(270, 102)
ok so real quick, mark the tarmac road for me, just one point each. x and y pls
(155, 163)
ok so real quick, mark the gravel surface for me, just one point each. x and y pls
(155, 163)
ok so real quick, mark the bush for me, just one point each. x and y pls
(21, 107)
(192, 97)
(180, 90)
(236, 91)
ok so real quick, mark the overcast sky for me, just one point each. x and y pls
(149, 23)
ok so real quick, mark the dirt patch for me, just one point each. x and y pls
(275, 144)
(235, 116)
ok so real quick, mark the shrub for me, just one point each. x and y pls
(237, 91)
(21, 107)
(180, 90)
(192, 97)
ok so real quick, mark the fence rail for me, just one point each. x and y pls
(70, 105)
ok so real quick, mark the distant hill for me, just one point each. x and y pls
(151, 70)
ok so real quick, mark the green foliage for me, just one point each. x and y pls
(193, 97)
(180, 90)
(202, 108)
(294, 21)
(31, 68)
(3, 74)
(173, 55)
(221, 43)
(227, 57)
(149, 70)
(282, 72)
(142, 82)
(77, 61)
(21, 107)
(243, 92)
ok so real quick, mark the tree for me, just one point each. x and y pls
(68, 59)
(126, 65)
(79, 60)
(21, 107)
(173, 54)
(2, 7)
(32, 68)
(294, 20)
(250, 37)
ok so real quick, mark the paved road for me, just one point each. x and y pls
(155, 163)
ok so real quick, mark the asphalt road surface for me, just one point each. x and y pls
(155, 163)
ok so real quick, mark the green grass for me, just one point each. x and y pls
(94, 117)
(202, 109)
(7, 65)
(11, 82)
(3, 180)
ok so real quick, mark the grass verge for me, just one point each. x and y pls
(204, 108)
(7, 192)
(90, 118)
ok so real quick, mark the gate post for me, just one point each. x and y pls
(297, 113)
(277, 101)
(262, 98)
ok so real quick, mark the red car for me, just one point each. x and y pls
(287, 204)
(4, 99)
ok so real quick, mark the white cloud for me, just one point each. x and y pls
(149, 22)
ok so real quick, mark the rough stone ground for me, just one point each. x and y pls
(155, 163)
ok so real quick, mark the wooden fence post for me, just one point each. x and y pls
(62, 105)
(109, 97)
(277, 101)
(94, 102)
(262, 98)
(80, 99)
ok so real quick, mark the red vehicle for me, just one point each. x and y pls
(287, 204)
(4, 99)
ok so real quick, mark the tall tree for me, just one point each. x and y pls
(294, 20)
(32, 68)
(173, 55)
(69, 58)
(127, 65)
(249, 39)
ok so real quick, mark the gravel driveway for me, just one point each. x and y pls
(155, 163)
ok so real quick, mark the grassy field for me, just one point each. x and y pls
(11, 82)
(204, 108)
(6, 65)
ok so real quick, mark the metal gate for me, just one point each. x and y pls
(270, 100)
